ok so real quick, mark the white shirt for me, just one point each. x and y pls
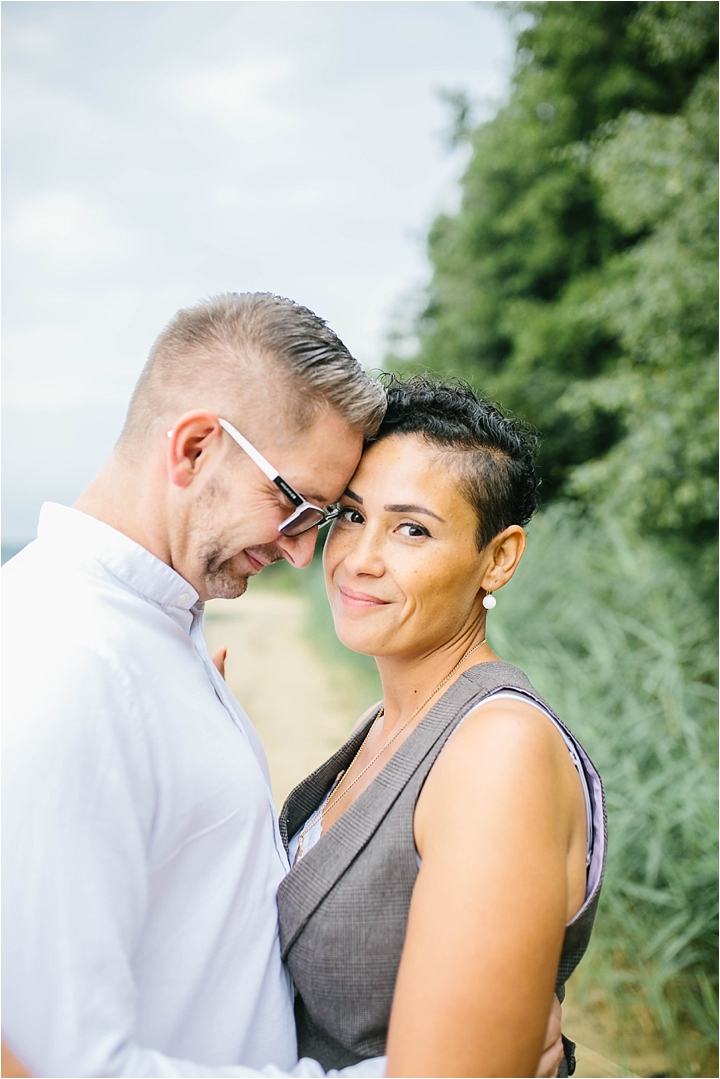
(141, 854)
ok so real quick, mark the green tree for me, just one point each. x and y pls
(657, 177)
(575, 284)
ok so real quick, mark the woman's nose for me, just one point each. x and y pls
(363, 555)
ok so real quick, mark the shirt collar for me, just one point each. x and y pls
(84, 539)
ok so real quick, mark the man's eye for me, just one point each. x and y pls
(350, 516)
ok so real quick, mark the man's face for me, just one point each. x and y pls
(230, 523)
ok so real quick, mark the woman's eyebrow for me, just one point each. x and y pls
(414, 509)
(351, 494)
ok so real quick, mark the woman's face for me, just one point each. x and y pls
(402, 567)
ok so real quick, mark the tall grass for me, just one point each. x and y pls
(612, 632)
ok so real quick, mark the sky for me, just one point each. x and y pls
(155, 153)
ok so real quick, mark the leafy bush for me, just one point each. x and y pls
(577, 284)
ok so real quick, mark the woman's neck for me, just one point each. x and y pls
(408, 681)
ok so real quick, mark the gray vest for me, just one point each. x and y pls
(343, 909)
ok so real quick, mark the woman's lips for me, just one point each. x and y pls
(359, 600)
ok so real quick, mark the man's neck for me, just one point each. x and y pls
(120, 500)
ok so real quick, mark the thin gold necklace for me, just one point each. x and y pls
(338, 794)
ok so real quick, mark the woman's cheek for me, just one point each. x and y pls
(331, 552)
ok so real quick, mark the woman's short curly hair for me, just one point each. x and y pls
(495, 453)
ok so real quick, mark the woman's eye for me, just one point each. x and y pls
(350, 515)
(413, 530)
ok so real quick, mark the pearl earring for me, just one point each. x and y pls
(489, 601)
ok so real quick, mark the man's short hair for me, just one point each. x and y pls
(259, 344)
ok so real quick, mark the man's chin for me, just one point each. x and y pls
(229, 579)
(224, 584)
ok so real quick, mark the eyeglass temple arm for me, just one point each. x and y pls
(261, 462)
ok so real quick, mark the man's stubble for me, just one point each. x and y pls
(222, 579)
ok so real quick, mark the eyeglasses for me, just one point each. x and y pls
(305, 515)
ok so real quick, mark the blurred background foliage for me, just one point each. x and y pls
(577, 285)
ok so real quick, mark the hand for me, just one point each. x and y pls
(219, 660)
(10, 1063)
(553, 1051)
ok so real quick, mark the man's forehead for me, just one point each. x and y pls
(323, 496)
(324, 460)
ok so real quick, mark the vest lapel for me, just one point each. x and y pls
(304, 799)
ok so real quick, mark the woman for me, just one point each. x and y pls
(448, 859)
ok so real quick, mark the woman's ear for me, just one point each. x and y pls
(505, 551)
(188, 443)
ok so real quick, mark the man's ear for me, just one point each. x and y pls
(189, 442)
(505, 551)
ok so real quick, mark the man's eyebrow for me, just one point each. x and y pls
(312, 496)
(355, 498)
(403, 508)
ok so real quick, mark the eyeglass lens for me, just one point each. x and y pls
(307, 518)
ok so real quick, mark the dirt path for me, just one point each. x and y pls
(301, 707)
(304, 709)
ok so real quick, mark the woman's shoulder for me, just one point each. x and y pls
(508, 728)
(498, 681)
(506, 757)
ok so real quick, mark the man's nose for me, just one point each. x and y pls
(298, 550)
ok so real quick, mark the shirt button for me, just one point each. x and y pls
(184, 597)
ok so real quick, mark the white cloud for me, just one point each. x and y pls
(45, 368)
(30, 108)
(67, 229)
(74, 359)
(33, 39)
(241, 99)
(155, 153)
(139, 180)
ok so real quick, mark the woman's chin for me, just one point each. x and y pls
(360, 629)
(357, 642)
(356, 637)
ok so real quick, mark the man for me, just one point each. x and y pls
(141, 852)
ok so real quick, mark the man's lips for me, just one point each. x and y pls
(256, 564)
(359, 600)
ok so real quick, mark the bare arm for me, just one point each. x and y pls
(497, 827)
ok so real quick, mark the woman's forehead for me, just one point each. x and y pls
(405, 463)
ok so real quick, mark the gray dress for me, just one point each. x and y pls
(343, 909)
